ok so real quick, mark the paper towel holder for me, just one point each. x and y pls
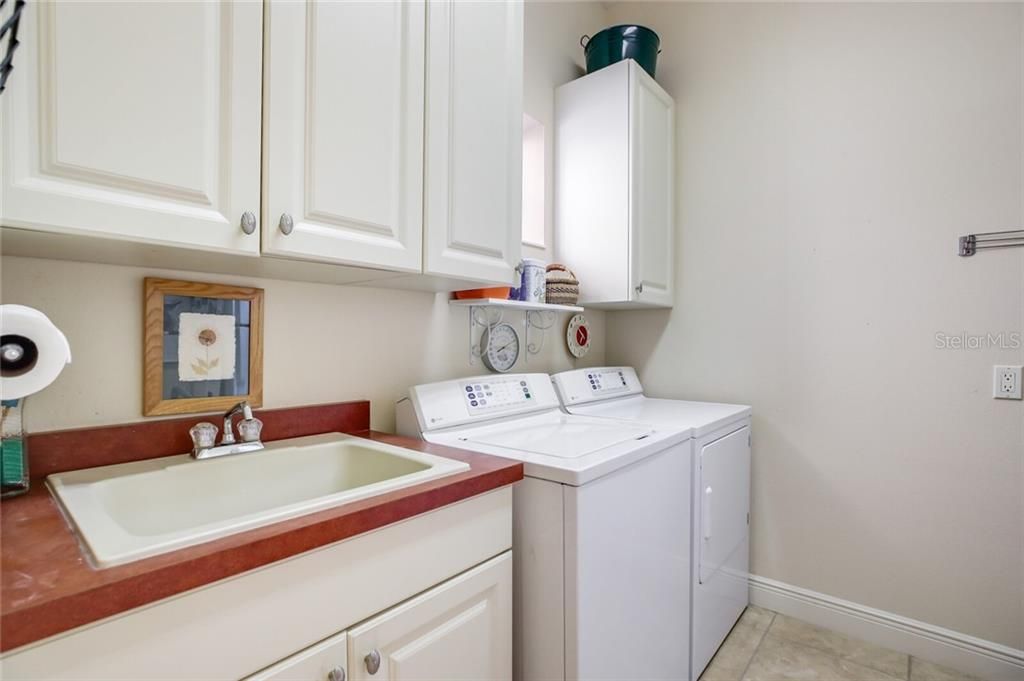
(33, 352)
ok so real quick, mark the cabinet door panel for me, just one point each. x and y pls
(652, 147)
(312, 664)
(474, 139)
(344, 132)
(461, 629)
(150, 134)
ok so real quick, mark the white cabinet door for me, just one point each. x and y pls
(137, 121)
(474, 139)
(343, 138)
(326, 661)
(652, 152)
(615, 166)
(461, 629)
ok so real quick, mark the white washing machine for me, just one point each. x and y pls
(720, 502)
(601, 543)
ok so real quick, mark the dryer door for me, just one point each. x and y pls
(721, 548)
(724, 505)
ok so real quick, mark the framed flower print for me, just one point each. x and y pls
(202, 347)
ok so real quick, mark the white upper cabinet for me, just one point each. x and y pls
(614, 180)
(343, 115)
(474, 140)
(137, 121)
(391, 138)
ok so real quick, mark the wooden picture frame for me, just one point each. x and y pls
(202, 347)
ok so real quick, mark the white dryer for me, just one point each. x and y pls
(720, 500)
(600, 536)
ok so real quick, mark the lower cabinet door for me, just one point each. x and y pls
(461, 629)
(326, 661)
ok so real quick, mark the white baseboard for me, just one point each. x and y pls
(975, 656)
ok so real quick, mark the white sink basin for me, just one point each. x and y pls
(135, 510)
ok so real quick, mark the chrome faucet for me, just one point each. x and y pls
(205, 434)
(229, 430)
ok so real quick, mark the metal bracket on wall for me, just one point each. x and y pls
(486, 313)
(972, 243)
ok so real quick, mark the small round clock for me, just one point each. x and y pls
(577, 336)
(499, 347)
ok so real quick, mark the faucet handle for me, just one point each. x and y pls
(204, 435)
(249, 428)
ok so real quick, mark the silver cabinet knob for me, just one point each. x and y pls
(640, 288)
(285, 224)
(372, 660)
(336, 674)
(248, 222)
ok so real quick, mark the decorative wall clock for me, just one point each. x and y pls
(499, 347)
(577, 336)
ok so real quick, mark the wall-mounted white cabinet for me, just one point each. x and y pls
(150, 135)
(391, 131)
(474, 139)
(614, 178)
(343, 131)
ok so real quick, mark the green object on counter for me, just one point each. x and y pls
(617, 43)
(12, 469)
(13, 454)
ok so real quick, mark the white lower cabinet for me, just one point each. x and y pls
(326, 661)
(461, 629)
(431, 596)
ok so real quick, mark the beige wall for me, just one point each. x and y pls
(829, 155)
(553, 56)
(323, 343)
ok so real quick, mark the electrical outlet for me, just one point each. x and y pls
(1006, 382)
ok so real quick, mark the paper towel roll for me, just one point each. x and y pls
(33, 351)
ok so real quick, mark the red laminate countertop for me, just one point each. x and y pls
(47, 586)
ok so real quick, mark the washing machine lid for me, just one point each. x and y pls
(563, 437)
(565, 448)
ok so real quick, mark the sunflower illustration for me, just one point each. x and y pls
(207, 338)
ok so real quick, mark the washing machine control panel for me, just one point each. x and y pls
(587, 385)
(468, 400)
(606, 381)
(496, 394)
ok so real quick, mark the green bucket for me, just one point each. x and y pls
(614, 44)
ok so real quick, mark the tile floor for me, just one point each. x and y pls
(767, 646)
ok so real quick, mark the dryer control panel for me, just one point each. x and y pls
(467, 400)
(589, 385)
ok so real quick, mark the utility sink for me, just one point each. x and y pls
(135, 510)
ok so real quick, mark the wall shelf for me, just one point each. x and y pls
(488, 312)
(514, 304)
